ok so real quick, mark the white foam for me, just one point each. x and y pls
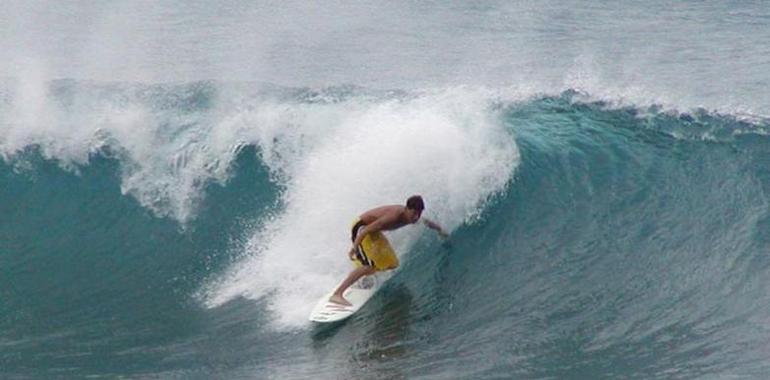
(339, 160)
(166, 155)
(333, 160)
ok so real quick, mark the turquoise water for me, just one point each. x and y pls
(177, 183)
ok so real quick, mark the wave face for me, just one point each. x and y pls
(177, 182)
(588, 239)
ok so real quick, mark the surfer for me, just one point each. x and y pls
(371, 250)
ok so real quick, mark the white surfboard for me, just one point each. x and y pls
(357, 294)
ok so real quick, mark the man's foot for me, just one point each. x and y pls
(339, 300)
(366, 282)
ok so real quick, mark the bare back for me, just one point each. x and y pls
(389, 217)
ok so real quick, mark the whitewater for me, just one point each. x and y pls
(177, 181)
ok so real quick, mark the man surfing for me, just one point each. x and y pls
(371, 250)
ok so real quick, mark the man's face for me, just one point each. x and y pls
(413, 215)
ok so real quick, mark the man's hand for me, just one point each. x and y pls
(352, 253)
(435, 226)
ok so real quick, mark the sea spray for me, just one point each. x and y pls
(340, 159)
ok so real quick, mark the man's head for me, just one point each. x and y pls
(414, 207)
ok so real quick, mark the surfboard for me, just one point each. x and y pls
(357, 294)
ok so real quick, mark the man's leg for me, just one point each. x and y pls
(357, 273)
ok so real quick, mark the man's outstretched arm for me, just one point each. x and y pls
(435, 226)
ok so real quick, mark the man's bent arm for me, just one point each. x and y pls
(369, 228)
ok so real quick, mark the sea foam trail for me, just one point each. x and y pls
(337, 160)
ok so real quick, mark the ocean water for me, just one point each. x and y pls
(177, 181)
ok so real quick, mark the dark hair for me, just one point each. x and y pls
(415, 203)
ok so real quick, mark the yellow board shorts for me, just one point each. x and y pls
(375, 250)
